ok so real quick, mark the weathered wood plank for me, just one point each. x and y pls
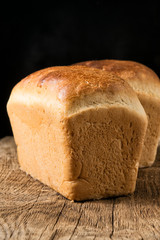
(31, 210)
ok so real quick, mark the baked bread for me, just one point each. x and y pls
(78, 130)
(147, 86)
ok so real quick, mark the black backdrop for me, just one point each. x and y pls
(43, 35)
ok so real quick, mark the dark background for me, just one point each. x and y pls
(43, 35)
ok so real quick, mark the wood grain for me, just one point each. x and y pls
(31, 210)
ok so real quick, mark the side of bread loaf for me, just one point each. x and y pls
(78, 130)
(146, 84)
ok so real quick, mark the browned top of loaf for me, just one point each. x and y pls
(67, 82)
(128, 70)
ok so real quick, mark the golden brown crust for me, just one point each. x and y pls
(128, 70)
(68, 82)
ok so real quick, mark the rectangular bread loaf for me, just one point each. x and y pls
(78, 130)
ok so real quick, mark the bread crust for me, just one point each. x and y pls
(66, 89)
(140, 77)
(68, 82)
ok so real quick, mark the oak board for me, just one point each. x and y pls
(31, 210)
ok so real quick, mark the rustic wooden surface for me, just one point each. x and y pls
(31, 210)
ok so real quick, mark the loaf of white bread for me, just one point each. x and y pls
(79, 130)
(146, 84)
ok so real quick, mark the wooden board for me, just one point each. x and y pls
(31, 210)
